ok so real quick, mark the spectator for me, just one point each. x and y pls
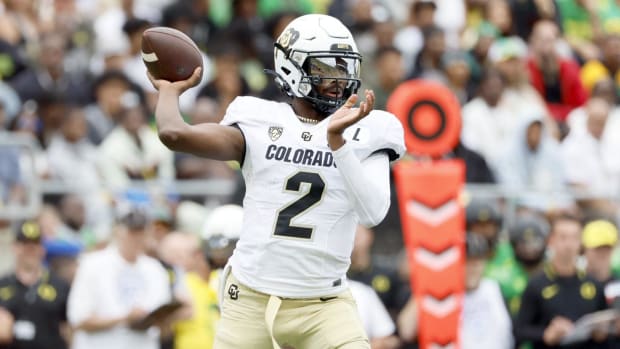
(366, 270)
(72, 213)
(381, 36)
(499, 14)
(376, 320)
(533, 162)
(554, 77)
(605, 66)
(35, 299)
(196, 331)
(591, 165)
(132, 151)
(428, 61)
(527, 13)
(581, 26)
(105, 301)
(61, 257)
(483, 37)
(409, 40)
(103, 114)
(487, 124)
(388, 64)
(523, 256)
(483, 302)
(457, 70)
(508, 56)
(175, 253)
(227, 82)
(599, 238)
(483, 217)
(220, 234)
(49, 75)
(72, 159)
(544, 317)
(577, 119)
(50, 111)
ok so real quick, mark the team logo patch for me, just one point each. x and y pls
(588, 290)
(306, 136)
(288, 38)
(275, 132)
(233, 292)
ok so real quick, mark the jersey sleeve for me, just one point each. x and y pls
(235, 113)
(246, 110)
(387, 136)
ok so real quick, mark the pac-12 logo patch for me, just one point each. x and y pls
(233, 292)
(275, 132)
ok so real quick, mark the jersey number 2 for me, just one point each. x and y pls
(284, 227)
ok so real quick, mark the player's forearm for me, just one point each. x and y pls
(367, 183)
(170, 124)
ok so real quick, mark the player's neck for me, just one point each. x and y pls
(304, 109)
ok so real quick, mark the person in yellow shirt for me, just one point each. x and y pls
(608, 66)
(198, 331)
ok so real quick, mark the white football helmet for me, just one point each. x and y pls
(317, 50)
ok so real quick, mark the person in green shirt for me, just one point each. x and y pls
(582, 26)
(522, 255)
(482, 216)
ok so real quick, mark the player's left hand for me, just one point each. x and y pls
(346, 116)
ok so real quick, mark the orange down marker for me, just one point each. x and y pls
(432, 216)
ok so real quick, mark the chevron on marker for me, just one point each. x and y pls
(436, 261)
(440, 307)
(430, 216)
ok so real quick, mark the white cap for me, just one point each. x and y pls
(190, 216)
(224, 220)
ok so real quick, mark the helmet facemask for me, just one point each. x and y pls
(329, 80)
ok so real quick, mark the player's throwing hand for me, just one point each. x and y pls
(179, 86)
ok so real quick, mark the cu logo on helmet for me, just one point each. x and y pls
(288, 37)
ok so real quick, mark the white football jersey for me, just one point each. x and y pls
(299, 224)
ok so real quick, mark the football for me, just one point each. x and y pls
(169, 54)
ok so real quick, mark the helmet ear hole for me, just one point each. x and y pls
(286, 70)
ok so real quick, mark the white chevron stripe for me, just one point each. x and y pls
(149, 57)
(436, 261)
(437, 307)
(433, 217)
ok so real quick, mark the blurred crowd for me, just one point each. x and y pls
(538, 83)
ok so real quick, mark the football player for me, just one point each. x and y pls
(314, 168)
